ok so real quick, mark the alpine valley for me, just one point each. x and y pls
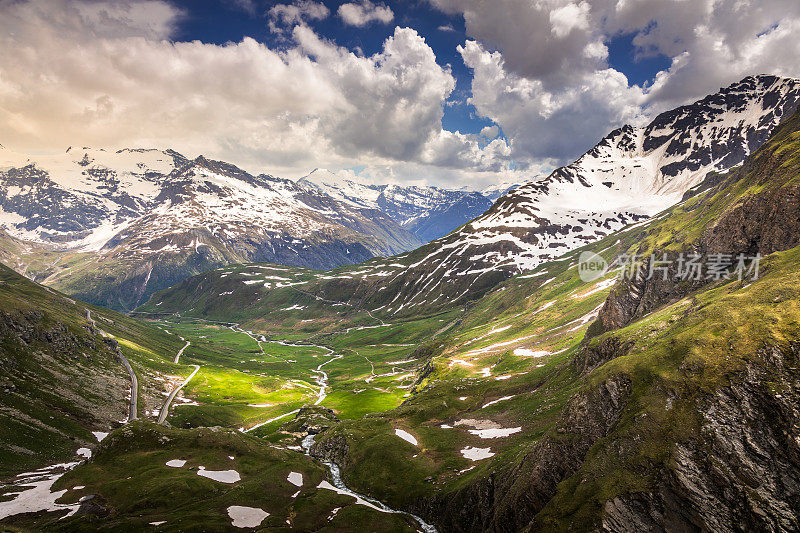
(301, 357)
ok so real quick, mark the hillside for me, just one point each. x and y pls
(678, 418)
(63, 376)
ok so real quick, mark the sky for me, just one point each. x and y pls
(448, 92)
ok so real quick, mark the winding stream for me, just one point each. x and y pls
(336, 477)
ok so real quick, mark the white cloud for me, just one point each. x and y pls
(446, 28)
(364, 12)
(569, 17)
(541, 67)
(283, 15)
(108, 75)
(544, 124)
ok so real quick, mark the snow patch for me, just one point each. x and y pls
(246, 517)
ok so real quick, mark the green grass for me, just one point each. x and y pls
(129, 476)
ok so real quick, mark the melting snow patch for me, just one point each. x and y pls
(495, 433)
(223, 476)
(84, 452)
(176, 463)
(246, 516)
(35, 495)
(99, 435)
(295, 478)
(525, 352)
(406, 436)
(159, 523)
(504, 398)
(476, 454)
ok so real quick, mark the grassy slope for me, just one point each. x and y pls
(541, 309)
(128, 475)
(61, 379)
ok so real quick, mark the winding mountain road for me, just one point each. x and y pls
(162, 416)
(132, 408)
(180, 352)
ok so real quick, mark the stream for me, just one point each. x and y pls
(338, 483)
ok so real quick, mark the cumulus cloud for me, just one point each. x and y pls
(288, 15)
(541, 69)
(108, 75)
(543, 124)
(364, 12)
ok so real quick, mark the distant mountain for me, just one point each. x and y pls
(428, 212)
(142, 220)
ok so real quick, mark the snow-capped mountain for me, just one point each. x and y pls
(632, 174)
(145, 219)
(428, 212)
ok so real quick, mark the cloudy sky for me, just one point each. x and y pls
(452, 92)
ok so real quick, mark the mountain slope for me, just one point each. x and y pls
(62, 377)
(682, 418)
(520, 412)
(630, 175)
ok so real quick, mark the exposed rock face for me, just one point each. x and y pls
(509, 501)
(743, 474)
(332, 450)
(596, 356)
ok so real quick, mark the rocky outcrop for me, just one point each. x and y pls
(332, 450)
(596, 355)
(742, 473)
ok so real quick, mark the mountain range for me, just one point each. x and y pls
(130, 222)
(629, 176)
